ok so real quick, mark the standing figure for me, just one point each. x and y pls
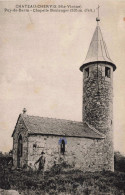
(41, 162)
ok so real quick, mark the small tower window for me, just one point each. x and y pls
(86, 73)
(62, 147)
(107, 72)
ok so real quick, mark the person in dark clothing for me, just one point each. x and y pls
(41, 162)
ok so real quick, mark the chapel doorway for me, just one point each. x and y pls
(19, 150)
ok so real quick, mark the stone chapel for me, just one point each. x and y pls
(86, 145)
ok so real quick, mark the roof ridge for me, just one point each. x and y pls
(58, 127)
(95, 130)
(52, 118)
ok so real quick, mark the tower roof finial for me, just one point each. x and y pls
(98, 19)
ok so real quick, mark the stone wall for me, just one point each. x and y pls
(83, 153)
(98, 105)
(20, 130)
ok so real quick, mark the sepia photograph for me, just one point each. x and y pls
(62, 78)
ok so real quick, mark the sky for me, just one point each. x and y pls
(40, 56)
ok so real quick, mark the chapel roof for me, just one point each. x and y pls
(59, 127)
(97, 51)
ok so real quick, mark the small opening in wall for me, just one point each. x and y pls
(107, 72)
(111, 122)
(62, 147)
(86, 72)
(34, 145)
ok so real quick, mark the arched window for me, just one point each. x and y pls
(20, 146)
(62, 147)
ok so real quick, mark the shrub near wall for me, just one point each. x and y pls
(64, 180)
(119, 161)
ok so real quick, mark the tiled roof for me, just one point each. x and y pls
(97, 50)
(58, 127)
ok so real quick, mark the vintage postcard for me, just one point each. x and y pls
(62, 76)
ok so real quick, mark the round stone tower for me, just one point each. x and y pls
(98, 92)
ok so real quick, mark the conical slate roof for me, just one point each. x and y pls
(97, 50)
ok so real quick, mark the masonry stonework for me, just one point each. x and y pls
(98, 105)
(98, 97)
(20, 130)
(82, 153)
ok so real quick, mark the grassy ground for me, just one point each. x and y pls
(61, 180)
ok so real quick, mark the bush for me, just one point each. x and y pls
(119, 161)
(61, 179)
